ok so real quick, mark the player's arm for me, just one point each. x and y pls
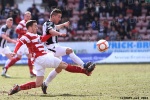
(55, 33)
(19, 29)
(45, 38)
(49, 30)
(22, 40)
(4, 36)
(66, 24)
(19, 44)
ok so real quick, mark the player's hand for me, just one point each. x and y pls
(66, 24)
(63, 34)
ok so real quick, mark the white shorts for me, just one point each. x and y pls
(4, 51)
(59, 50)
(46, 61)
(23, 50)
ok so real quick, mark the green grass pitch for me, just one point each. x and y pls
(108, 82)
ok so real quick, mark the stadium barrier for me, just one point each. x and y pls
(118, 52)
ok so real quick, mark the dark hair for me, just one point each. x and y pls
(30, 23)
(55, 12)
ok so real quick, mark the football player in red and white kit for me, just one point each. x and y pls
(42, 59)
(21, 30)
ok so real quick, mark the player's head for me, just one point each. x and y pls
(56, 15)
(27, 15)
(31, 26)
(9, 22)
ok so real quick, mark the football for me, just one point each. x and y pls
(102, 45)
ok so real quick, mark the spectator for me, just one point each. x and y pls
(122, 34)
(129, 11)
(85, 15)
(121, 19)
(126, 27)
(92, 16)
(148, 27)
(117, 26)
(147, 6)
(10, 14)
(74, 25)
(129, 36)
(113, 34)
(113, 22)
(52, 4)
(90, 7)
(95, 24)
(1, 12)
(81, 5)
(68, 11)
(33, 9)
(137, 9)
(131, 22)
(103, 10)
(135, 35)
(41, 19)
(34, 15)
(113, 10)
(129, 3)
(7, 9)
(16, 12)
(65, 2)
(101, 34)
(121, 9)
(60, 4)
(17, 19)
(81, 23)
(97, 9)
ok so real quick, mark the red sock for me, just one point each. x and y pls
(28, 86)
(74, 69)
(12, 62)
(30, 65)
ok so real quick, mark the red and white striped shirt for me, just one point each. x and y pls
(34, 43)
(21, 28)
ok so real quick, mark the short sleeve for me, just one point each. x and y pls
(49, 26)
(3, 30)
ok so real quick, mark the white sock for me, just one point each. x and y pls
(50, 77)
(76, 59)
(7, 62)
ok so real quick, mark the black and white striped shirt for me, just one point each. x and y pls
(4, 30)
(46, 27)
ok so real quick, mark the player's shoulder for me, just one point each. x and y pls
(27, 36)
(4, 27)
(22, 22)
(49, 23)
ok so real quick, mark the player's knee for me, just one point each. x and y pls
(62, 65)
(58, 70)
(68, 51)
(19, 56)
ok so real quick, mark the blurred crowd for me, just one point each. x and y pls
(91, 20)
